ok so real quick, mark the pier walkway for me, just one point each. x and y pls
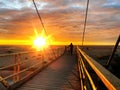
(57, 71)
(60, 75)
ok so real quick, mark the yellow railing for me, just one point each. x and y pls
(109, 81)
(23, 68)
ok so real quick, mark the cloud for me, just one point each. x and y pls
(112, 5)
(14, 4)
(63, 19)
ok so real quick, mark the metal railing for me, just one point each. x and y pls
(24, 65)
(92, 73)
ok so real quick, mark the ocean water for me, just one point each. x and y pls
(100, 51)
(14, 48)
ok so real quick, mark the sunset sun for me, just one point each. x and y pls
(40, 42)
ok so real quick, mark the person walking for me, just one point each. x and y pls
(71, 48)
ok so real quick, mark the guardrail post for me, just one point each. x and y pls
(16, 68)
(113, 52)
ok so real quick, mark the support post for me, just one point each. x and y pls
(18, 67)
(15, 68)
(113, 52)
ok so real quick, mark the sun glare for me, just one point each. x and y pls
(40, 41)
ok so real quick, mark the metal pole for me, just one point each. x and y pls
(85, 23)
(15, 68)
(18, 67)
(113, 52)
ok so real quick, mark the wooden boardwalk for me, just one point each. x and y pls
(60, 75)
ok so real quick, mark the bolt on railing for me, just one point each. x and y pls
(25, 68)
(90, 71)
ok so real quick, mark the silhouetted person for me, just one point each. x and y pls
(71, 48)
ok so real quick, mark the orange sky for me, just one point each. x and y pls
(63, 20)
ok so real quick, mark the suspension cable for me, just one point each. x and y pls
(85, 22)
(40, 18)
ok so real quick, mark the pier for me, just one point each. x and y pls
(59, 71)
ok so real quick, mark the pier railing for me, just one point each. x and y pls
(19, 67)
(94, 76)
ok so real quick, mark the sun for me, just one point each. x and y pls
(40, 42)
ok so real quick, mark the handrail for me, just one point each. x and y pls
(21, 71)
(4, 82)
(84, 74)
(88, 75)
(22, 62)
(19, 63)
(10, 54)
(109, 80)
